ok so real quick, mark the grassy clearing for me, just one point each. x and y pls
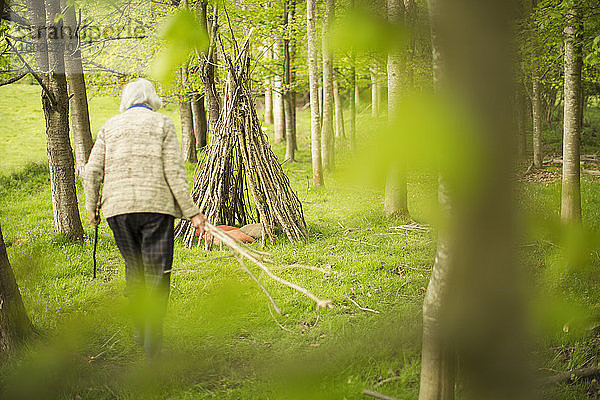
(222, 340)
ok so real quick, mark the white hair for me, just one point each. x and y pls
(140, 91)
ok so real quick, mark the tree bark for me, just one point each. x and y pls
(571, 193)
(480, 318)
(339, 111)
(208, 62)
(188, 138)
(395, 202)
(327, 138)
(352, 107)
(278, 98)
(521, 117)
(56, 113)
(15, 325)
(313, 79)
(268, 102)
(536, 114)
(199, 117)
(374, 93)
(289, 93)
(80, 119)
(356, 94)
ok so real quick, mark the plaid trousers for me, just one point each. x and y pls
(146, 242)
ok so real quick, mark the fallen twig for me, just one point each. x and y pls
(362, 308)
(569, 376)
(378, 395)
(302, 266)
(383, 382)
(256, 260)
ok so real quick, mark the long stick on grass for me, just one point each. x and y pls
(255, 259)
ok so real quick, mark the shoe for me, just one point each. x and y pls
(138, 336)
(152, 341)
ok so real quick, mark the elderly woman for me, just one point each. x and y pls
(137, 158)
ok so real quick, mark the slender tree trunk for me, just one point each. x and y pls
(571, 194)
(395, 203)
(188, 138)
(438, 362)
(289, 94)
(356, 94)
(313, 80)
(536, 114)
(352, 107)
(80, 120)
(479, 233)
(209, 60)
(199, 117)
(374, 93)
(521, 119)
(339, 111)
(56, 113)
(278, 99)
(321, 101)
(268, 102)
(15, 325)
(327, 138)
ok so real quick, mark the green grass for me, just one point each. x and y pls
(222, 339)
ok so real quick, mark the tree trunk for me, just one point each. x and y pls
(339, 111)
(571, 195)
(520, 114)
(80, 119)
(352, 106)
(209, 60)
(199, 117)
(481, 317)
(536, 114)
(438, 364)
(289, 93)
(356, 94)
(374, 93)
(268, 102)
(15, 325)
(188, 138)
(321, 102)
(56, 113)
(313, 79)
(278, 98)
(327, 138)
(395, 203)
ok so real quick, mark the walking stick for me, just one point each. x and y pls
(97, 216)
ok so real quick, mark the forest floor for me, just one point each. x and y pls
(222, 338)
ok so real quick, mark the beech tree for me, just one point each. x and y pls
(339, 109)
(289, 11)
(327, 137)
(200, 123)
(571, 193)
(395, 202)
(472, 309)
(55, 103)
(15, 325)
(313, 77)
(80, 119)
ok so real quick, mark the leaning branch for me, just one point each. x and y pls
(13, 80)
(32, 72)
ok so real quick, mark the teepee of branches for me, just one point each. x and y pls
(239, 179)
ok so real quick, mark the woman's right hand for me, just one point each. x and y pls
(198, 221)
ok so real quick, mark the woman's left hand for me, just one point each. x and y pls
(93, 221)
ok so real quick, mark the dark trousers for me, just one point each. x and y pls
(146, 242)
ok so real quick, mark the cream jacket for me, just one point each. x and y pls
(137, 158)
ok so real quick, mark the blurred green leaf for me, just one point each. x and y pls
(182, 35)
